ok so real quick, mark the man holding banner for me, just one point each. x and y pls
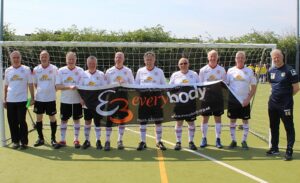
(183, 77)
(118, 74)
(150, 76)
(212, 72)
(92, 78)
(243, 82)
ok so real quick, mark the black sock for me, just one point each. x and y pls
(53, 129)
(39, 129)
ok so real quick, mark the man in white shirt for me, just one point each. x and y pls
(243, 83)
(17, 80)
(149, 76)
(67, 79)
(184, 77)
(44, 76)
(119, 74)
(212, 72)
(91, 78)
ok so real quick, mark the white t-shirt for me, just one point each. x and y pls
(69, 77)
(114, 75)
(17, 80)
(45, 78)
(92, 80)
(154, 77)
(190, 77)
(207, 74)
(240, 81)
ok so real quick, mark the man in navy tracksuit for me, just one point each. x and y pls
(284, 83)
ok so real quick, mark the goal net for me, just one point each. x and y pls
(167, 56)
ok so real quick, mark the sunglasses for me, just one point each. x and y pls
(184, 63)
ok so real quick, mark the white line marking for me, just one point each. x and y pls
(211, 159)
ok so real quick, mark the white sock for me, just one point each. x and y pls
(108, 133)
(143, 129)
(63, 130)
(158, 131)
(97, 132)
(121, 132)
(87, 129)
(204, 128)
(178, 133)
(218, 129)
(76, 131)
(232, 131)
(191, 132)
(246, 130)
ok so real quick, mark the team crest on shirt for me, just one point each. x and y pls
(91, 83)
(218, 71)
(76, 73)
(272, 76)
(155, 73)
(51, 71)
(283, 74)
(212, 78)
(16, 78)
(125, 72)
(293, 72)
(185, 81)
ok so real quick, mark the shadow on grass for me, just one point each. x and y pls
(150, 154)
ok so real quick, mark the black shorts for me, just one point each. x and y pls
(238, 112)
(213, 113)
(42, 107)
(91, 114)
(150, 113)
(68, 110)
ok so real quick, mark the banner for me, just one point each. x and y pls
(135, 104)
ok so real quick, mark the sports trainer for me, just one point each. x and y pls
(284, 82)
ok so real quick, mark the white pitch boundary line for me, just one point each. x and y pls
(211, 159)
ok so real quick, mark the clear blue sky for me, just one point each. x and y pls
(183, 18)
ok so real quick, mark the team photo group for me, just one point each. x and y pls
(46, 79)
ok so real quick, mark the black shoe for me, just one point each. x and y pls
(244, 145)
(107, 146)
(192, 146)
(53, 142)
(288, 155)
(203, 143)
(177, 146)
(232, 145)
(39, 142)
(218, 143)
(142, 146)
(15, 145)
(23, 147)
(98, 145)
(272, 152)
(120, 145)
(86, 144)
(60, 144)
(161, 146)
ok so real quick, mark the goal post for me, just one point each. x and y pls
(167, 56)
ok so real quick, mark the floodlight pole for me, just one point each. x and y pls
(297, 37)
(2, 122)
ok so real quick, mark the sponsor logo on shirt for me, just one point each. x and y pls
(69, 80)
(44, 77)
(185, 81)
(239, 78)
(119, 78)
(91, 83)
(211, 78)
(16, 78)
